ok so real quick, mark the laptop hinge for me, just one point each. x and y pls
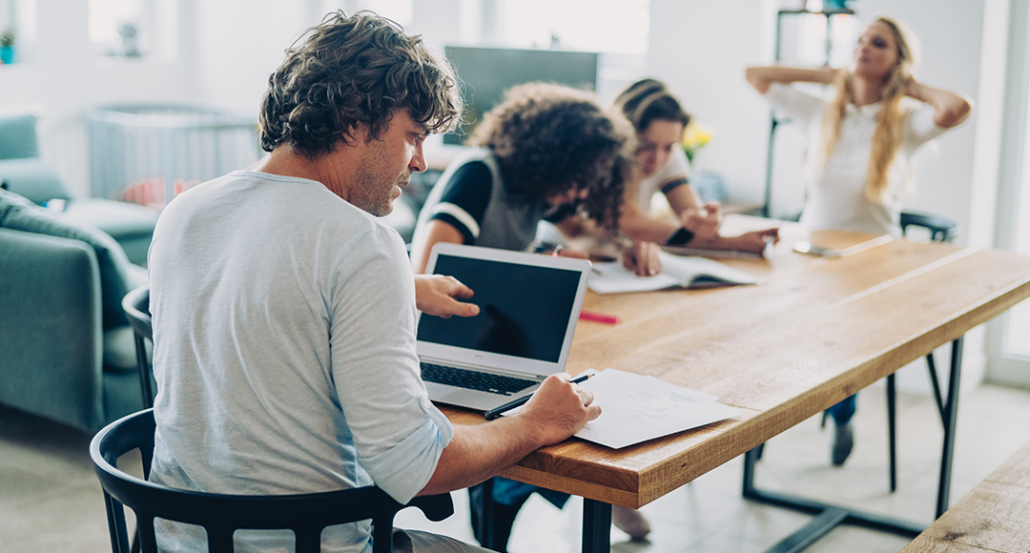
(483, 368)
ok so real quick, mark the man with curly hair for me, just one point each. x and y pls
(284, 311)
(546, 153)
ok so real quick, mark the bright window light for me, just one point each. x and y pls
(592, 25)
(116, 27)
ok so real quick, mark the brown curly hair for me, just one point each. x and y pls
(350, 71)
(550, 139)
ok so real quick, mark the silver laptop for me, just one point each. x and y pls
(528, 308)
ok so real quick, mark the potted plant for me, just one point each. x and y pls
(695, 137)
(7, 38)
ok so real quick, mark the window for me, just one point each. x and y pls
(17, 30)
(400, 11)
(132, 29)
(593, 25)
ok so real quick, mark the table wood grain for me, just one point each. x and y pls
(994, 517)
(815, 331)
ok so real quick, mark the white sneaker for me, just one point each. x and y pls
(630, 521)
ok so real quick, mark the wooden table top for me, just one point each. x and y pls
(815, 332)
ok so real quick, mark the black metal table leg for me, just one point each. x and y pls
(829, 516)
(597, 526)
(486, 515)
(951, 418)
(892, 439)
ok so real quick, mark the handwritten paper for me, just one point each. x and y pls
(637, 408)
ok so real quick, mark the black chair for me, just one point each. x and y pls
(136, 305)
(220, 515)
(941, 229)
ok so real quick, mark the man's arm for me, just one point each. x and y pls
(556, 411)
(438, 295)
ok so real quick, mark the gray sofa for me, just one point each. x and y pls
(66, 349)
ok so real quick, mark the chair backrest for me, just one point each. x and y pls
(941, 229)
(136, 305)
(221, 515)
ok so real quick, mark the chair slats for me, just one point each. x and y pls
(221, 515)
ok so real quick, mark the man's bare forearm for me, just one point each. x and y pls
(478, 452)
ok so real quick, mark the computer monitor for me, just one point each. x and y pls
(488, 72)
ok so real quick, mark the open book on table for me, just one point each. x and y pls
(705, 252)
(685, 272)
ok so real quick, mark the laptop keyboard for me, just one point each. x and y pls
(474, 380)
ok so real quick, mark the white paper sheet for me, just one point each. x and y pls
(637, 408)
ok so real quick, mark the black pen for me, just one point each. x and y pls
(494, 413)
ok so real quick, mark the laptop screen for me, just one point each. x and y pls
(524, 310)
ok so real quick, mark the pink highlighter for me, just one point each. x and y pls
(598, 317)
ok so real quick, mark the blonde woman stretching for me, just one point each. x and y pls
(860, 143)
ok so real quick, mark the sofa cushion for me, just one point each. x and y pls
(33, 179)
(18, 213)
(132, 225)
(18, 136)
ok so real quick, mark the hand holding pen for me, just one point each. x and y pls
(496, 412)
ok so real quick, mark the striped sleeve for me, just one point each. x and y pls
(670, 185)
(465, 199)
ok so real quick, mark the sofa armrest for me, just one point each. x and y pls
(32, 178)
(51, 328)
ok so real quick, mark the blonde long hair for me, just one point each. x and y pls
(888, 134)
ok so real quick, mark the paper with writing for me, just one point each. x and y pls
(637, 408)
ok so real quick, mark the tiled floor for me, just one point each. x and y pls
(50, 500)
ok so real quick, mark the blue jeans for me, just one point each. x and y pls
(843, 411)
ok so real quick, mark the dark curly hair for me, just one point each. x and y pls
(649, 100)
(549, 139)
(349, 71)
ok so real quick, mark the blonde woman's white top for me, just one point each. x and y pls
(835, 194)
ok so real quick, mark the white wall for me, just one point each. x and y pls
(238, 43)
(700, 49)
(63, 81)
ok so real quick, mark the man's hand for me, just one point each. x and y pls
(703, 222)
(435, 295)
(558, 409)
(642, 258)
